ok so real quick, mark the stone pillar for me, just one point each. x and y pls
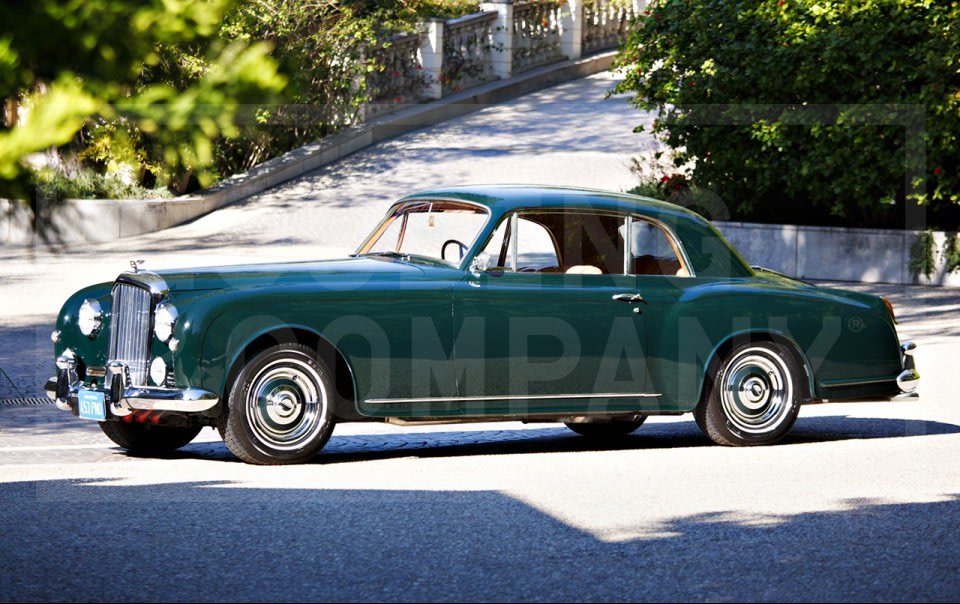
(431, 58)
(357, 84)
(571, 29)
(502, 37)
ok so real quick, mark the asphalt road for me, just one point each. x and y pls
(861, 502)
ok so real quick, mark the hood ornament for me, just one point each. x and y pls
(135, 265)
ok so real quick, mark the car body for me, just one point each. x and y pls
(592, 308)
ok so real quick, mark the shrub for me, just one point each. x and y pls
(808, 111)
(53, 185)
(922, 261)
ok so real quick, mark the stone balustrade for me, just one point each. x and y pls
(505, 38)
(607, 22)
(468, 51)
(400, 79)
(536, 34)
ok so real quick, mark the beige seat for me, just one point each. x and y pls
(583, 269)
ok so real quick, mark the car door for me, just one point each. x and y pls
(554, 325)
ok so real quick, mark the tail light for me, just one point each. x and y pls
(893, 315)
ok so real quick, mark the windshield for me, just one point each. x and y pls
(442, 230)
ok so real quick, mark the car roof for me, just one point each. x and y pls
(710, 254)
(506, 197)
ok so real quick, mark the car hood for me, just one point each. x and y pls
(290, 273)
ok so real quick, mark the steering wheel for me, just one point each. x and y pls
(443, 248)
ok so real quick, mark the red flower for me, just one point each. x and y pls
(937, 171)
(396, 73)
(398, 100)
(456, 89)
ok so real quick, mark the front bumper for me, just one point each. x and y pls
(909, 379)
(63, 391)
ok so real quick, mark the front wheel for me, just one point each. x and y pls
(279, 409)
(754, 397)
(147, 439)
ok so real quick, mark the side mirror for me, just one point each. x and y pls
(479, 264)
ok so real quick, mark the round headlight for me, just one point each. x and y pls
(89, 318)
(164, 321)
(158, 371)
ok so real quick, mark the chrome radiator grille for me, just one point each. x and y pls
(130, 330)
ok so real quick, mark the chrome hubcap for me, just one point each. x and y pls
(286, 404)
(757, 391)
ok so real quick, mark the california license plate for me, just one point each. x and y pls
(91, 405)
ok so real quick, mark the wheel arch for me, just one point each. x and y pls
(756, 335)
(344, 381)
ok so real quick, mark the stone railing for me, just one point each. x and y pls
(607, 22)
(401, 79)
(506, 38)
(536, 34)
(468, 51)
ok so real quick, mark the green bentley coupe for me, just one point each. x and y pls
(482, 303)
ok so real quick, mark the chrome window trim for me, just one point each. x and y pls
(631, 215)
(627, 244)
(676, 241)
(470, 248)
(514, 241)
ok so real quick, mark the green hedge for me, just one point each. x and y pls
(807, 111)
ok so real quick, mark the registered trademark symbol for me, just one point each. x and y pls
(855, 324)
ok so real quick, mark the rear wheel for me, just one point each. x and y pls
(754, 398)
(279, 409)
(607, 430)
(148, 439)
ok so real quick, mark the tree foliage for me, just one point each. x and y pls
(810, 111)
(66, 64)
(183, 92)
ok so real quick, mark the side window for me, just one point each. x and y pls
(585, 243)
(536, 248)
(495, 250)
(651, 250)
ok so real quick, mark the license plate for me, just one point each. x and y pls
(91, 405)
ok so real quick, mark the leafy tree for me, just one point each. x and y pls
(812, 111)
(328, 50)
(65, 64)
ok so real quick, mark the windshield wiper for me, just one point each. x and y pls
(387, 254)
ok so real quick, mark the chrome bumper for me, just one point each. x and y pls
(190, 400)
(909, 379)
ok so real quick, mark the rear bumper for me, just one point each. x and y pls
(909, 378)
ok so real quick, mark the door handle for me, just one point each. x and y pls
(632, 298)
